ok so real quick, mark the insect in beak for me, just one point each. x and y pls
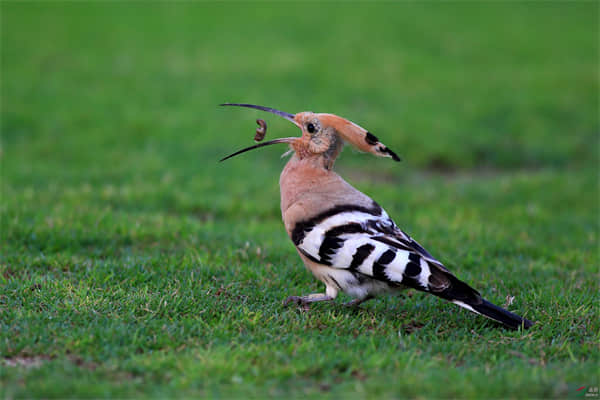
(288, 116)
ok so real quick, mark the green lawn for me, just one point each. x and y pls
(132, 263)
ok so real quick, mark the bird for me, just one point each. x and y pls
(345, 238)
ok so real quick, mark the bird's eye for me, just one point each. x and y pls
(310, 128)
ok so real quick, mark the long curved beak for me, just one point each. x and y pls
(288, 116)
(288, 140)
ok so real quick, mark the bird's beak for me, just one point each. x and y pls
(288, 140)
(289, 117)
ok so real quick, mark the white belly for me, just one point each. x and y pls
(353, 284)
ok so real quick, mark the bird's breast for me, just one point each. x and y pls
(308, 191)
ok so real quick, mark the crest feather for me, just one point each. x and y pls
(358, 136)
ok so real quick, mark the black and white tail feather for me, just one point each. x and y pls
(368, 254)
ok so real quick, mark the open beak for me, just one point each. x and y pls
(288, 140)
(289, 117)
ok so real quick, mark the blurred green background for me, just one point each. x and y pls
(111, 189)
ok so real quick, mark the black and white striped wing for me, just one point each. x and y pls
(366, 240)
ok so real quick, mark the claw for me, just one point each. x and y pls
(296, 299)
(356, 302)
(352, 303)
(306, 300)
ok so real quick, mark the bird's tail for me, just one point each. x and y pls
(461, 294)
(496, 313)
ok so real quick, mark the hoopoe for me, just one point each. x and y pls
(343, 236)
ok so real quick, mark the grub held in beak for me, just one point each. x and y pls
(288, 116)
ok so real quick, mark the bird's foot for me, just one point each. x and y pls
(356, 302)
(306, 300)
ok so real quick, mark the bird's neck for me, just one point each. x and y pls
(311, 188)
(304, 175)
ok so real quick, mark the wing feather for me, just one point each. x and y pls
(368, 242)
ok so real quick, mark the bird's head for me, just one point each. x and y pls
(323, 136)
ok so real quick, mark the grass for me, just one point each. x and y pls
(132, 263)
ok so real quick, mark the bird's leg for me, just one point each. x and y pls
(357, 302)
(306, 300)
